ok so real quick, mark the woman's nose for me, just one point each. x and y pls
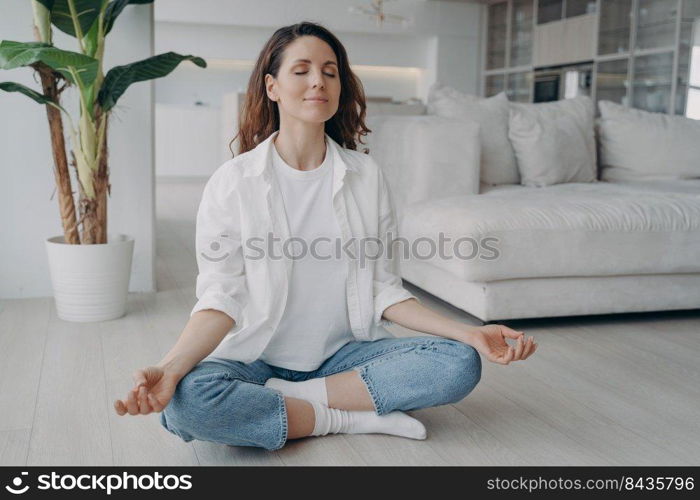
(318, 80)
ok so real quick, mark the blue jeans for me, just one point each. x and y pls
(226, 401)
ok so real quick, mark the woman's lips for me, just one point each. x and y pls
(316, 100)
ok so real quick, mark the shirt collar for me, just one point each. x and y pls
(260, 157)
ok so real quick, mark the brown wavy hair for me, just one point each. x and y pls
(259, 117)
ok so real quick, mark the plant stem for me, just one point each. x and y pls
(61, 173)
(42, 22)
(76, 25)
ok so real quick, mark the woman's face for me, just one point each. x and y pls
(307, 87)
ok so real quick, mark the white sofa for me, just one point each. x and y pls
(574, 248)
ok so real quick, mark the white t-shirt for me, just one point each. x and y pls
(315, 323)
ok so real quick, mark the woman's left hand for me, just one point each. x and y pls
(490, 340)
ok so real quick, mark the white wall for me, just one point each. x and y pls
(188, 140)
(28, 214)
(442, 37)
(189, 83)
(441, 42)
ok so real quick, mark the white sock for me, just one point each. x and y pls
(311, 390)
(334, 421)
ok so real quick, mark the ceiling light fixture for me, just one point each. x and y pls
(376, 12)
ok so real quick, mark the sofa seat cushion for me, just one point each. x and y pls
(571, 229)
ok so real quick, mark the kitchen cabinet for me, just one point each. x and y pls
(653, 41)
(645, 53)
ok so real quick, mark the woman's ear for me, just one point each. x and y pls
(270, 87)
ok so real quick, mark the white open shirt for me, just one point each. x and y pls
(238, 203)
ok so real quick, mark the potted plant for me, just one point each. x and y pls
(89, 269)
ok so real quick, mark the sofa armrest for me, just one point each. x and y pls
(425, 156)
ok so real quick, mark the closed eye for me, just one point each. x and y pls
(304, 72)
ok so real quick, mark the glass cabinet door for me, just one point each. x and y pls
(688, 83)
(549, 10)
(614, 26)
(611, 81)
(521, 33)
(494, 84)
(519, 85)
(656, 23)
(651, 84)
(579, 7)
(497, 30)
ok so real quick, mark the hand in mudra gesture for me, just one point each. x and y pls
(153, 389)
(490, 340)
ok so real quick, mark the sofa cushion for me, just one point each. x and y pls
(554, 142)
(636, 144)
(573, 229)
(498, 164)
(424, 156)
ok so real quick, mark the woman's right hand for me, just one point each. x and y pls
(490, 340)
(152, 391)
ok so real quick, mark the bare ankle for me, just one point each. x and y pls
(347, 391)
(300, 418)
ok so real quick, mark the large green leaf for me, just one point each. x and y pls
(86, 10)
(118, 79)
(18, 54)
(32, 94)
(115, 8)
(18, 87)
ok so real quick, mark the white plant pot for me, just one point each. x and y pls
(90, 282)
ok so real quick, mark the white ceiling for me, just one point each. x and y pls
(467, 1)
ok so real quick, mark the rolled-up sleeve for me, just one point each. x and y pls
(221, 281)
(387, 284)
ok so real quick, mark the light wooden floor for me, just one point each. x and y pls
(605, 390)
